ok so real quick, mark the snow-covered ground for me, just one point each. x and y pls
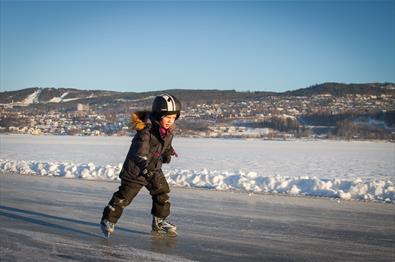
(346, 170)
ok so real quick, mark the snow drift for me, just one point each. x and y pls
(355, 188)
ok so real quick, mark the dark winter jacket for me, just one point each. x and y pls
(148, 150)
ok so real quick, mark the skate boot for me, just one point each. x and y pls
(107, 227)
(162, 227)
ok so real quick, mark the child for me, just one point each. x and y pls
(151, 146)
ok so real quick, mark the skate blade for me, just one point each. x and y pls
(171, 234)
(106, 234)
(163, 234)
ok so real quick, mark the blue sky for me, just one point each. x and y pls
(155, 45)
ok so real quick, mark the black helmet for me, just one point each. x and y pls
(166, 105)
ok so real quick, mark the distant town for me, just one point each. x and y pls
(321, 115)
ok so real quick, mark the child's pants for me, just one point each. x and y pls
(158, 188)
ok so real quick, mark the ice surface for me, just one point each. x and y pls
(57, 219)
(346, 170)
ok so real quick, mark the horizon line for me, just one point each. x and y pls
(201, 89)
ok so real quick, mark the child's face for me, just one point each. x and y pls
(167, 121)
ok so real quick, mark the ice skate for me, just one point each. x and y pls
(107, 227)
(162, 227)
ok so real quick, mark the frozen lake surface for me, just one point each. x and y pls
(57, 219)
(325, 159)
(347, 170)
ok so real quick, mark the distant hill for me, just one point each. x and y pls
(51, 97)
(29, 96)
(339, 89)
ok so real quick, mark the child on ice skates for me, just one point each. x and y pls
(151, 146)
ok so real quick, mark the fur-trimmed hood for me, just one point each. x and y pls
(141, 119)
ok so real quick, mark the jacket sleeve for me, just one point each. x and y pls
(142, 151)
(169, 151)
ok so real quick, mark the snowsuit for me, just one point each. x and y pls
(142, 167)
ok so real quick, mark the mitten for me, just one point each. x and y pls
(166, 159)
(146, 174)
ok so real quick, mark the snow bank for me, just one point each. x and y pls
(220, 180)
(68, 170)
